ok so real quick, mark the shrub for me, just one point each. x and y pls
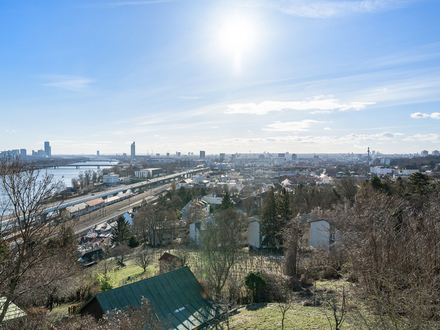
(255, 281)
(306, 280)
(107, 281)
(133, 242)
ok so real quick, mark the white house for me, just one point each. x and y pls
(148, 173)
(254, 230)
(196, 205)
(380, 170)
(195, 230)
(322, 234)
(111, 178)
(410, 169)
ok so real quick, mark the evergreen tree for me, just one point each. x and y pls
(269, 219)
(133, 242)
(227, 202)
(284, 212)
(121, 234)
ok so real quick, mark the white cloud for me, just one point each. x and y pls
(363, 137)
(325, 9)
(292, 126)
(327, 128)
(434, 115)
(423, 138)
(70, 83)
(317, 103)
(320, 112)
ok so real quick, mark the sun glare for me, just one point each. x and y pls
(237, 37)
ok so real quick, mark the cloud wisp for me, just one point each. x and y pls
(423, 138)
(326, 9)
(71, 83)
(317, 103)
(434, 115)
(292, 126)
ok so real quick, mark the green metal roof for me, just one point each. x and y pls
(176, 295)
(13, 311)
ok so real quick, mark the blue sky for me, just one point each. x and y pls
(302, 76)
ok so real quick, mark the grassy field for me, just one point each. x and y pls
(299, 317)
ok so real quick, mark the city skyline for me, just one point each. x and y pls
(221, 76)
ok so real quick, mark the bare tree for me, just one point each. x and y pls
(292, 236)
(132, 318)
(82, 180)
(286, 302)
(221, 243)
(31, 262)
(337, 308)
(87, 177)
(393, 244)
(144, 258)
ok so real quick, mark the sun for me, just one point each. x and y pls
(237, 36)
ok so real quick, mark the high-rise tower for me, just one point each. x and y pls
(133, 150)
(47, 149)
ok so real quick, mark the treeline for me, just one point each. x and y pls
(387, 240)
(84, 180)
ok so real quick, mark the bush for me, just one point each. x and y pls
(306, 280)
(275, 289)
(255, 281)
(133, 242)
(330, 273)
(353, 277)
(107, 281)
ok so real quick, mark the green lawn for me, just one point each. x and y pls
(132, 273)
(299, 317)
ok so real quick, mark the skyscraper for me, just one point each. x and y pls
(202, 154)
(133, 150)
(47, 149)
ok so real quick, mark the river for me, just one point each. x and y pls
(67, 173)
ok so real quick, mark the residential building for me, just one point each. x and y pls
(380, 170)
(23, 152)
(195, 210)
(111, 178)
(202, 154)
(424, 153)
(410, 169)
(222, 157)
(254, 230)
(435, 153)
(148, 173)
(322, 234)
